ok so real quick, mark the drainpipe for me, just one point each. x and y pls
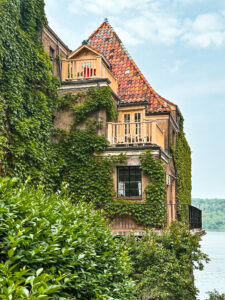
(59, 61)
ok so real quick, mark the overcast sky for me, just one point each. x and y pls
(179, 45)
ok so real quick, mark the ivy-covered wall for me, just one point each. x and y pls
(28, 93)
(182, 159)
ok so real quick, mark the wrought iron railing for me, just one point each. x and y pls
(195, 217)
(156, 215)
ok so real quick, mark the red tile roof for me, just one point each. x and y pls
(133, 86)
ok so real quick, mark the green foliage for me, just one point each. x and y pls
(162, 264)
(143, 213)
(69, 242)
(20, 285)
(95, 100)
(182, 158)
(213, 213)
(216, 296)
(28, 93)
(89, 176)
(156, 189)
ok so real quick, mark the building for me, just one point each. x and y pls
(145, 119)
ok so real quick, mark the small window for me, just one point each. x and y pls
(129, 182)
(52, 53)
(129, 81)
(127, 72)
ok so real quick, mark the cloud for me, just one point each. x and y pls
(104, 7)
(156, 21)
(206, 30)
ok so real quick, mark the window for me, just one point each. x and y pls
(52, 54)
(137, 120)
(129, 182)
(127, 127)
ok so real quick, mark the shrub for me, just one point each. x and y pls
(48, 232)
(163, 264)
(216, 296)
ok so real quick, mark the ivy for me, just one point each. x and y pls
(88, 176)
(28, 93)
(95, 100)
(151, 215)
(156, 190)
(182, 159)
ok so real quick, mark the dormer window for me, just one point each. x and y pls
(127, 72)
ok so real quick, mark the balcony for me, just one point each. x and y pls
(137, 133)
(87, 69)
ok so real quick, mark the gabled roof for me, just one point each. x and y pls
(88, 47)
(133, 86)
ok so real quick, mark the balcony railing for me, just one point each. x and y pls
(80, 69)
(146, 132)
(195, 217)
(139, 216)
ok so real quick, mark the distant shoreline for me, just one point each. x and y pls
(213, 213)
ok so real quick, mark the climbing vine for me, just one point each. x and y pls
(95, 100)
(28, 93)
(182, 159)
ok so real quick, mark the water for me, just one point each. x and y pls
(213, 275)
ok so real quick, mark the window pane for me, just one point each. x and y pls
(137, 117)
(127, 118)
(129, 182)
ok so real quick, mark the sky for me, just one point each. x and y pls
(179, 45)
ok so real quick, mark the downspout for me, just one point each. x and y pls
(59, 61)
(169, 134)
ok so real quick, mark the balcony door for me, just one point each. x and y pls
(132, 128)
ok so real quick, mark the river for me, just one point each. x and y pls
(213, 275)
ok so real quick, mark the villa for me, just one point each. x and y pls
(146, 121)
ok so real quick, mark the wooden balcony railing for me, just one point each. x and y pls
(146, 132)
(80, 69)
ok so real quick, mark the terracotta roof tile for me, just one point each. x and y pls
(133, 86)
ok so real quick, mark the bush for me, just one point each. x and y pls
(71, 243)
(163, 264)
(216, 296)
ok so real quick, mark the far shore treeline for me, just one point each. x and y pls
(213, 213)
